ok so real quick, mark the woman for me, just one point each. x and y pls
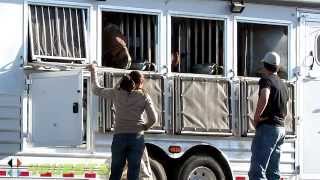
(130, 102)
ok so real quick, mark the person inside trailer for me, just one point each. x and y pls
(114, 48)
(175, 60)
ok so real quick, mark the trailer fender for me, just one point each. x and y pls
(208, 150)
(163, 155)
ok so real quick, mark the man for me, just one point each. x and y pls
(269, 122)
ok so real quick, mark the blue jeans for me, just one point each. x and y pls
(128, 147)
(266, 150)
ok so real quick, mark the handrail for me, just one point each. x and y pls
(304, 3)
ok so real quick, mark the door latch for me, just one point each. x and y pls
(75, 107)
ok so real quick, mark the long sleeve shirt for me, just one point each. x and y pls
(129, 108)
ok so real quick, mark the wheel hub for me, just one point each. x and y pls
(202, 173)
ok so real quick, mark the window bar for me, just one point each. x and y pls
(149, 37)
(188, 45)
(31, 32)
(135, 38)
(58, 31)
(251, 48)
(44, 33)
(217, 42)
(103, 105)
(209, 42)
(37, 31)
(196, 41)
(65, 31)
(202, 43)
(155, 39)
(71, 28)
(50, 30)
(128, 30)
(78, 33)
(84, 33)
(103, 114)
(245, 73)
(121, 24)
(179, 45)
(141, 38)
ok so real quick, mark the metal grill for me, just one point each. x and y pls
(254, 41)
(154, 87)
(140, 31)
(198, 41)
(249, 92)
(57, 32)
(202, 106)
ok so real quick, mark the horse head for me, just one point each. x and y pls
(115, 52)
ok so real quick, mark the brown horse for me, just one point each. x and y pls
(114, 48)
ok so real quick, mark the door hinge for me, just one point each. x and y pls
(297, 169)
(28, 81)
(27, 85)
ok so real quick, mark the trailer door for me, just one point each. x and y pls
(56, 108)
(310, 101)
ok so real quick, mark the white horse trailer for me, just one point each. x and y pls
(206, 55)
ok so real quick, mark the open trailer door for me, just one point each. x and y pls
(310, 102)
(56, 108)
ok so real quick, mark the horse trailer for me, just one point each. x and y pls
(201, 62)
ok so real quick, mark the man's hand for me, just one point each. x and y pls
(256, 120)
(261, 105)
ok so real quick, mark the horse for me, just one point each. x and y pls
(114, 48)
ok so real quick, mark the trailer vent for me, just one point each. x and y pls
(57, 33)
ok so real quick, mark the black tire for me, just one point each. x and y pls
(158, 171)
(198, 166)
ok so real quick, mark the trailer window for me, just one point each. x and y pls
(136, 32)
(318, 48)
(57, 33)
(197, 45)
(254, 41)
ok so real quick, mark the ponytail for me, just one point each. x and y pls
(136, 76)
(127, 83)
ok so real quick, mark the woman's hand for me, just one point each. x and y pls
(145, 128)
(92, 67)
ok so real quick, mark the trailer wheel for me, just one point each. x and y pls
(158, 172)
(201, 167)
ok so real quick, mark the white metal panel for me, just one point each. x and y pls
(312, 33)
(269, 12)
(10, 136)
(11, 46)
(9, 148)
(53, 95)
(9, 100)
(10, 124)
(310, 99)
(311, 128)
(9, 112)
(11, 31)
